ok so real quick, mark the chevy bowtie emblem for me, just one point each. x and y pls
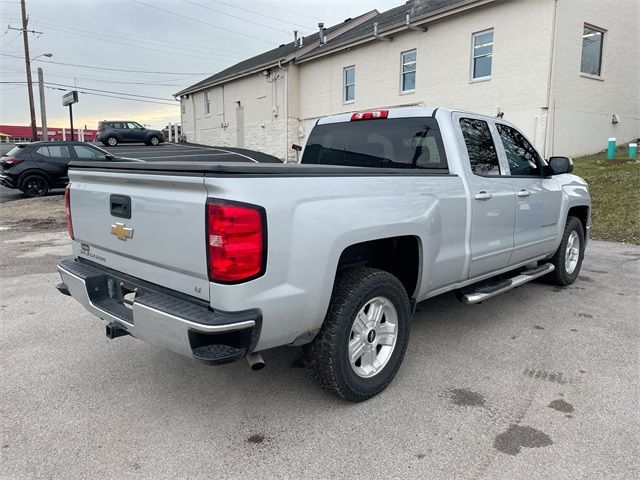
(122, 232)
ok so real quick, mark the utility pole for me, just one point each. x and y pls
(43, 108)
(27, 61)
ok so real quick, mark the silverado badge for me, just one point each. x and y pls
(122, 232)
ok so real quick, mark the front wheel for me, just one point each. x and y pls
(568, 258)
(362, 342)
(155, 141)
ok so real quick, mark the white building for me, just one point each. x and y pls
(566, 71)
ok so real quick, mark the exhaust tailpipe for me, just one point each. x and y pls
(114, 331)
(255, 361)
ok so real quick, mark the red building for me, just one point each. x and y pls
(17, 133)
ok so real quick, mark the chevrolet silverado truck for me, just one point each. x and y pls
(385, 209)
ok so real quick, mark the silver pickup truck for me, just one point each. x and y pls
(385, 209)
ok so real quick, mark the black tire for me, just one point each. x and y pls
(326, 357)
(560, 276)
(112, 141)
(34, 185)
(153, 139)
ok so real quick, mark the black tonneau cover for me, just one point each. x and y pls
(248, 169)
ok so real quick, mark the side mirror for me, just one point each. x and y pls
(561, 165)
(109, 157)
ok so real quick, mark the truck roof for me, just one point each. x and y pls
(400, 112)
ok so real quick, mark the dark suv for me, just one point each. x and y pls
(113, 132)
(37, 167)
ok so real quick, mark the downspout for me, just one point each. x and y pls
(286, 111)
(193, 109)
(549, 82)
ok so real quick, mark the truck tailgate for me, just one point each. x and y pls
(163, 241)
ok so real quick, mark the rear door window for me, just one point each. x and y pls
(88, 153)
(522, 157)
(53, 151)
(480, 147)
(382, 143)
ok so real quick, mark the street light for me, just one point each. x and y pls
(27, 61)
(43, 111)
(48, 55)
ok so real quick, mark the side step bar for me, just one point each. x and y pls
(485, 291)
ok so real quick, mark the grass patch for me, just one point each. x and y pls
(615, 196)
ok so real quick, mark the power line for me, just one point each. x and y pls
(235, 16)
(107, 68)
(155, 7)
(112, 40)
(136, 37)
(258, 13)
(81, 90)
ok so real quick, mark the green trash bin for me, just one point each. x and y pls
(611, 149)
(633, 150)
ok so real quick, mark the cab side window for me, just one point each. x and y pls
(480, 147)
(523, 159)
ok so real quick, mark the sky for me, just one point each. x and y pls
(148, 48)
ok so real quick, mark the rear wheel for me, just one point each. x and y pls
(362, 342)
(112, 141)
(34, 185)
(155, 141)
(568, 258)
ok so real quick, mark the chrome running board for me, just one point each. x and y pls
(487, 291)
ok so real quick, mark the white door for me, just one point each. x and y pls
(240, 127)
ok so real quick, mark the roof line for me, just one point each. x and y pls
(398, 27)
(308, 47)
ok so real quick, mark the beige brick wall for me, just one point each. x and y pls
(583, 107)
(522, 33)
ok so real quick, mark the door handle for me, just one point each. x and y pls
(523, 193)
(482, 196)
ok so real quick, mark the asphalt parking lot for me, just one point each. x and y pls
(188, 152)
(539, 383)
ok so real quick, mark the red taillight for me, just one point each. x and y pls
(11, 161)
(372, 115)
(67, 210)
(236, 242)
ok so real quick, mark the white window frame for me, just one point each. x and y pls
(403, 73)
(207, 103)
(345, 85)
(473, 56)
(602, 32)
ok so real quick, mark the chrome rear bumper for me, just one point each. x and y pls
(159, 318)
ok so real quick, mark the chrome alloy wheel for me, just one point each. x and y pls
(572, 253)
(373, 337)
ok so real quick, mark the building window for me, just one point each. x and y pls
(207, 103)
(349, 84)
(408, 74)
(482, 54)
(591, 51)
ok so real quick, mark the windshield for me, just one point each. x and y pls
(388, 143)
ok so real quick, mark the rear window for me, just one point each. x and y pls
(55, 151)
(14, 151)
(388, 143)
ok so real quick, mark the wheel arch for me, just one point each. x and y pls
(32, 171)
(399, 256)
(582, 213)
